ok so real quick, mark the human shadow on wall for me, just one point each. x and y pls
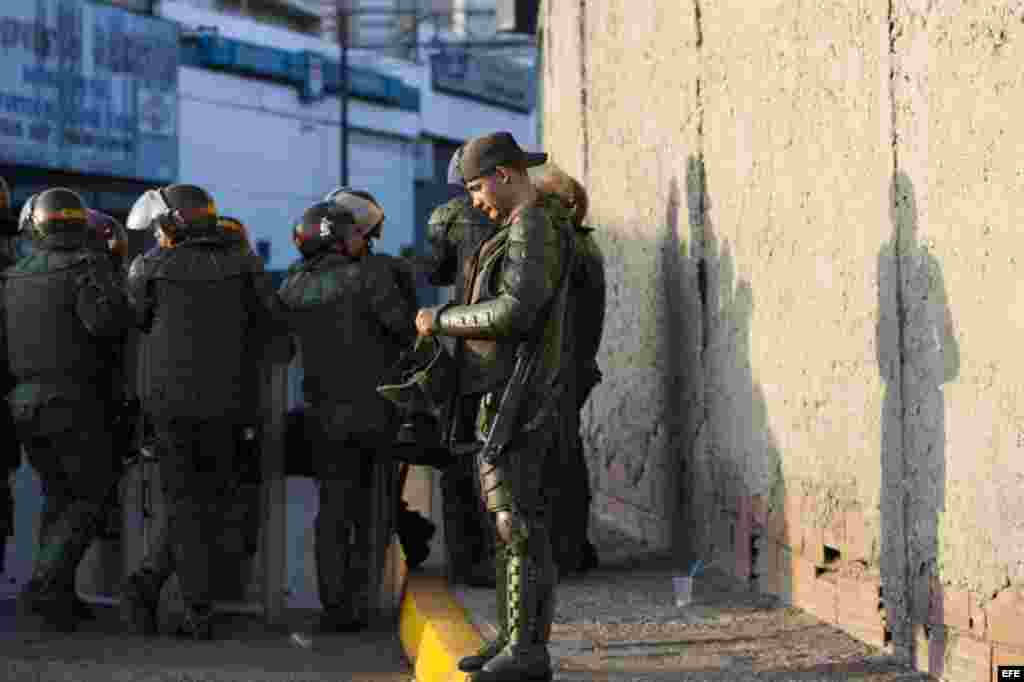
(733, 444)
(917, 353)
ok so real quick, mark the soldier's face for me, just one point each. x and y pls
(487, 195)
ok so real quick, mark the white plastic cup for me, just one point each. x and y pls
(684, 590)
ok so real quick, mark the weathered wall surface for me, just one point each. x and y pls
(636, 170)
(811, 366)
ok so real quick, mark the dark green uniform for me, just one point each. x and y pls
(203, 305)
(517, 281)
(64, 309)
(353, 320)
(567, 476)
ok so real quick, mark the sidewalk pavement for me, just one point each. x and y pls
(620, 623)
(245, 650)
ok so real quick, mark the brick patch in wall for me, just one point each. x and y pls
(784, 521)
(922, 649)
(967, 658)
(858, 609)
(921, 599)
(777, 569)
(759, 510)
(1003, 654)
(818, 595)
(949, 606)
(1006, 618)
(812, 544)
(858, 538)
(834, 534)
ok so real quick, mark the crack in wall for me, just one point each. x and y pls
(583, 92)
(905, 607)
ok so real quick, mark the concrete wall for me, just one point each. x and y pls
(810, 369)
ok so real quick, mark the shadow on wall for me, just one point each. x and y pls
(728, 523)
(917, 354)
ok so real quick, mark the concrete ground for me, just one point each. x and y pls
(245, 651)
(621, 623)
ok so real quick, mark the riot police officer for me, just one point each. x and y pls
(512, 327)
(353, 320)
(201, 304)
(64, 308)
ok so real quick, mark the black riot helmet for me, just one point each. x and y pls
(108, 232)
(54, 211)
(321, 227)
(364, 211)
(179, 211)
(8, 226)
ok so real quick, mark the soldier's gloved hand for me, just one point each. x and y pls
(425, 322)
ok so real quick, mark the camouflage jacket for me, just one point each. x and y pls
(517, 273)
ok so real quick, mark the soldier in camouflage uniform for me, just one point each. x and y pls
(568, 475)
(512, 328)
(353, 320)
(455, 231)
(63, 308)
(202, 303)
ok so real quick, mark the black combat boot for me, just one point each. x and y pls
(140, 600)
(525, 657)
(198, 623)
(471, 664)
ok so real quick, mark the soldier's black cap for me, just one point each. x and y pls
(482, 155)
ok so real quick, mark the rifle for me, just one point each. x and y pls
(527, 352)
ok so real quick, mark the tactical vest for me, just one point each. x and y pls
(346, 350)
(202, 327)
(47, 342)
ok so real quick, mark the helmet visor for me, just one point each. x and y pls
(367, 215)
(147, 210)
(25, 218)
(455, 169)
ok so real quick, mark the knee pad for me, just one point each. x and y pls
(512, 531)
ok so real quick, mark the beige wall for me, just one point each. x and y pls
(845, 175)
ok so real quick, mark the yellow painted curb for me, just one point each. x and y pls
(435, 630)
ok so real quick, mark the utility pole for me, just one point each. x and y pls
(342, 26)
(342, 20)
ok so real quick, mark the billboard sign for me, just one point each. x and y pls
(88, 88)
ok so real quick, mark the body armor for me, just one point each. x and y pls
(338, 305)
(203, 304)
(516, 272)
(49, 345)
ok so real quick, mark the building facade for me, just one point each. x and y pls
(810, 214)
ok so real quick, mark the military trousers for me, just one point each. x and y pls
(513, 490)
(68, 445)
(346, 466)
(196, 462)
